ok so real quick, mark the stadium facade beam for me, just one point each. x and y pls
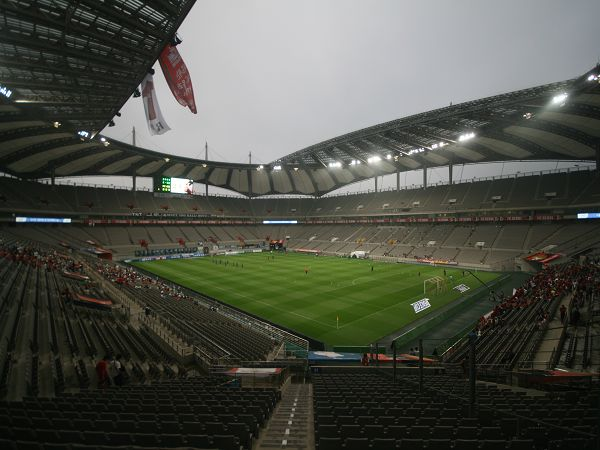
(424, 176)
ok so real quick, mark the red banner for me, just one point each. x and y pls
(177, 76)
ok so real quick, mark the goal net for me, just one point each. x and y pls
(434, 285)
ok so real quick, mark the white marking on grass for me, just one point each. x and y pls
(261, 302)
(382, 310)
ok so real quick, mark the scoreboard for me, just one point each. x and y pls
(173, 185)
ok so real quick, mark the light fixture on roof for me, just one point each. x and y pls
(276, 168)
(355, 162)
(167, 159)
(527, 115)
(335, 164)
(102, 139)
(388, 156)
(560, 99)
(295, 169)
(136, 93)
(374, 159)
(466, 136)
(261, 167)
(56, 124)
(111, 123)
(83, 134)
(204, 165)
(176, 40)
(6, 92)
(592, 77)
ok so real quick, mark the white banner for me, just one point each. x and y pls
(421, 305)
(156, 122)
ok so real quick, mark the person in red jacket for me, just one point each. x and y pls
(102, 373)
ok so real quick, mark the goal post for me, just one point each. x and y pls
(434, 285)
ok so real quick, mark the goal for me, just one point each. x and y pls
(434, 285)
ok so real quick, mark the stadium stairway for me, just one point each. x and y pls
(551, 337)
(291, 425)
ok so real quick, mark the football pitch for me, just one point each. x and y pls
(339, 301)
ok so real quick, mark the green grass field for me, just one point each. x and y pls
(370, 304)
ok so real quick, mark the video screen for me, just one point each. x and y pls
(175, 185)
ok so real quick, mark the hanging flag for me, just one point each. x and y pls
(177, 76)
(156, 122)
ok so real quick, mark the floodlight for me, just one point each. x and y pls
(167, 159)
(335, 164)
(374, 159)
(466, 136)
(56, 124)
(388, 156)
(560, 98)
(592, 77)
(276, 167)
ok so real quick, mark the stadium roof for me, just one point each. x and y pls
(77, 63)
(71, 66)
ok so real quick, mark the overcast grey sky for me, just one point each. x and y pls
(275, 76)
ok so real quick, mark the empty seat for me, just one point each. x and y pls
(439, 444)
(226, 442)
(356, 444)
(171, 440)
(330, 443)
(466, 444)
(198, 440)
(412, 444)
(495, 444)
(383, 444)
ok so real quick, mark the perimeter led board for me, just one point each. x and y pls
(279, 222)
(588, 215)
(43, 219)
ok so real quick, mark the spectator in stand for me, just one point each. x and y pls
(563, 313)
(102, 373)
(117, 371)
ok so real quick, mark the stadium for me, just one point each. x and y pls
(227, 305)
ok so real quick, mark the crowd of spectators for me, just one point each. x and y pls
(553, 282)
(127, 276)
(48, 259)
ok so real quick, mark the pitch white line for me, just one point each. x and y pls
(261, 302)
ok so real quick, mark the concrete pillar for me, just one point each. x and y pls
(598, 157)
(424, 177)
(53, 177)
(375, 183)
(134, 182)
(398, 180)
(450, 173)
